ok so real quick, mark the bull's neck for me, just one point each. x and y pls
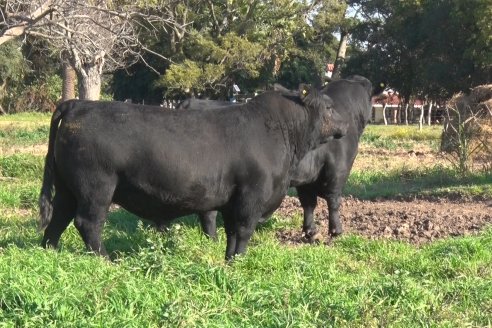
(299, 134)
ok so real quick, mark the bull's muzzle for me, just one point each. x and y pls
(333, 126)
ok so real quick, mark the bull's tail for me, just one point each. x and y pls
(46, 196)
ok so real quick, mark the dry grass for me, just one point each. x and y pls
(467, 135)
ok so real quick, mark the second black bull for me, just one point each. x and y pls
(323, 171)
(238, 160)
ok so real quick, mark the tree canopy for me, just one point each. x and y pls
(430, 48)
(427, 48)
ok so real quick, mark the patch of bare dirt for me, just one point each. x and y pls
(418, 221)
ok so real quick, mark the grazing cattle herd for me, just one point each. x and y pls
(236, 159)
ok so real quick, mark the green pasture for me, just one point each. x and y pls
(390, 137)
(179, 278)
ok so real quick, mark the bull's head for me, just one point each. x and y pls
(329, 122)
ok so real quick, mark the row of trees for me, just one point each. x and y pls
(144, 49)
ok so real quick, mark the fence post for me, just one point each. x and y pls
(384, 115)
(429, 116)
(406, 113)
(421, 118)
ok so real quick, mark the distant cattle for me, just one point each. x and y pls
(164, 164)
(324, 171)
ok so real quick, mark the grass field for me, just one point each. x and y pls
(179, 278)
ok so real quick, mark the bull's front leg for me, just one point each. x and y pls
(230, 231)
(244, 230)
(334, 224)
(308, 198)
(208, 221)
(241, 219)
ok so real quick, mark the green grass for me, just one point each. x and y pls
(436, 181)
(22, 166)
(19, 194)
(32, 117)
(20, 178)
(180, 279)
(24, 136)
(24, 129)
(405, 132)
(406, 137)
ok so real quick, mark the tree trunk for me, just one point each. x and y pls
(342, 49)
(89, 84)
(2, 94)
(88, 75)
(406, 113)
(69, 78)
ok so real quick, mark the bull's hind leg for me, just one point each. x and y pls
(89, 221)
(92, 209)
(308, 198)
(64, 206)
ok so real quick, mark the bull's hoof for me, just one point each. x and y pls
(213, 238)
(163, 228)
(312, 237)
(46, 244)
(317, 238)
(335, 232)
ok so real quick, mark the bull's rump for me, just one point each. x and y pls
(164, 163)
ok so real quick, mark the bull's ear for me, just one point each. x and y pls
(281, 88)
(304, 90)
(284, 91)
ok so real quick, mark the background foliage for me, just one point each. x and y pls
(422, 48)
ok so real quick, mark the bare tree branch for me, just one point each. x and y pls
(15, 25)
(93, 36)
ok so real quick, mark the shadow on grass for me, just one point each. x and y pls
(123, 232)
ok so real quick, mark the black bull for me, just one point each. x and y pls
(164, 164)
(324, 171)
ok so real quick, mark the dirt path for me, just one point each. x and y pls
(39, 149)
(417, 221)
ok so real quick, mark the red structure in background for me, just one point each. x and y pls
(390, 108)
